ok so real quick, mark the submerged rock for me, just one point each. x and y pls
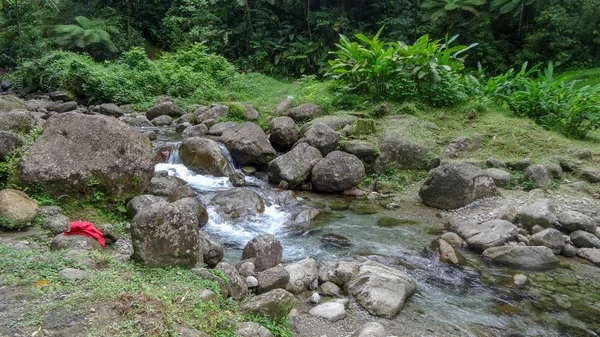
(534, 257)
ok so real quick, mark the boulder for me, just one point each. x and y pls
(205, 157)
(237, 179)
(74, 242)
(166, 234)
(140, 122)
(447, 253)
(305, 112)
(111, 110)
(264, 250)
(539, 176)
(371, 329)
(248, 144)
(363, 150)
(61, 95)
(534, 257)
(554, 170)
(569, 250)
(19, 121)
(573, 221)
(541, 212)
(251, 113)
(590, 254)
(582, 239)
(591, 175)
(322, 137)
(219, 128)
(204, 114)
(306, 216)
(338, 273)
(381, 290)
(195, 131)
(247, 269)
(163, 120)
(78, 151)
(455, 185)
(9, 142)
(329, 289)
(336, 122)
(400, 153)
(550, 238)
(9, 103)
(276, 304)
(212, 251)
(301, 275)
(272, 278)
(251, 329)
(151, 135)
(284, 106)
(337, 172)
(135, 205)
(330, 311)
(452, 239)
(238, 289)
(283, 132)
(63, 107)
(164, 107)
(200, 211)
(56, 223)
(295, 166)
(457, 147)
(17, 210)
(501, 177)
(238, 202)
(488, 234)
(170, 187)
(520, 165)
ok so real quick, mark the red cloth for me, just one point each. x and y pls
(87, 229)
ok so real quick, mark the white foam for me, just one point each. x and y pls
(196, 181)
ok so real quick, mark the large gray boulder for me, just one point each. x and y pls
(549, 237)
(381, 290)
(295, 166)
(276, 304)
(238, 202)
(238, 289)
(534, 257)
(539, 176)
(163, 120)
(166, 234)
(455, 185)
(541, 212)
(322, 137)
(140, 122)
(302, 274)
(135, 205)
(62, 107)
(19, 121)
(9, 142)
(219, 128)
(363, 150)
(591, 175)
(573, 221)
(582, 239)
(501, 177)
(110, 109)
(400, 153)
(283, 132)
(74, 242)
(488, 234)
(170, 187)
(204, 156)
(76, 152)
(248, 144)
(204, 114)
(212, 251)
(337, 172)
(590, 254)
(17, 210)
(10, 102)
(264, 250)
(195, 131)
(336, 122)
(305, 112)
(164, 107)
(272, 278)
(331, 311)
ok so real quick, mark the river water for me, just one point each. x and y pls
(476, 299)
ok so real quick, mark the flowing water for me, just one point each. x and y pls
(476, 299)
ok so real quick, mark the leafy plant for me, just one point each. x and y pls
(437, 9)
(86, 33)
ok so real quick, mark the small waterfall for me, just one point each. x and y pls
(227, 155)
(173, 157)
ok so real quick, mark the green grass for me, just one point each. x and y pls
(584, 76)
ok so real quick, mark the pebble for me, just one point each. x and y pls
(519, 279)
(315, 298)
(252, 282)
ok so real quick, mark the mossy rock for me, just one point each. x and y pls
(390, 222)
(339, 205)
(365, 207)
(434, 231)
(506, 309)
(566, 281)
(364, 127)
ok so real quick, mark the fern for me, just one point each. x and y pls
(86, 33)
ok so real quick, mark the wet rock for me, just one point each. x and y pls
(17, 210)
(194, 131)
(74, 242)
(251, 329)
(371, 329)
(337, 172)
(56, 224)
(237, 179)
(322, 137)
(447, 254)
(539, 176)
(166, 234)
(535, 257)
(170, 187)
(501, 177)
(212, 251)
(276, 304)
(249, 170)
(72, 274)
(582, 239)
(76, 150)
(307, 215)
(238, 288)
(283, 132)
(219, 128)
(334, 241)
(329, 289)
(455, 185)
(238, 202)
(488, 234)
(541, 212)
(272, 278)
(381, 290)
(330, 311)
(452, 238)
(305, 112)
(400, 153)
(295, 166)
(550, 238)
(519, 279)
(573, 221)
(248, 144)
(590, 175)
(9, 142)
(264, 250)
(301, 275)
(205, 157)
(164, 107)
(140, 122)
(569, 250)
(590, 254)
(135, 205)
(151, 135)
